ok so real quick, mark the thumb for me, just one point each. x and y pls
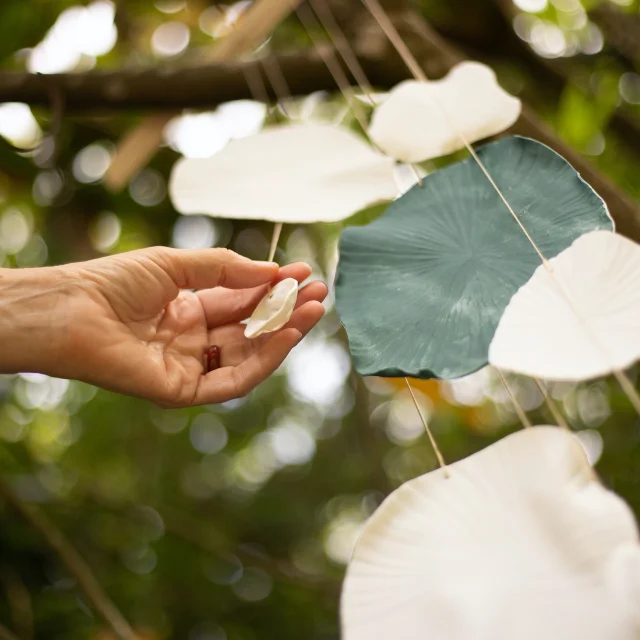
(208, 268)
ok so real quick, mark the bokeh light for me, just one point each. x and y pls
(18, 125)
(78, 33)
(92, 162)
(170, 39)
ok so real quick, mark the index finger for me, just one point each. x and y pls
(208, 268)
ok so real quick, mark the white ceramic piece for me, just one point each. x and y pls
(521, 542)
(544, 335)
(300, 173)
(423, 120)
(274, 310)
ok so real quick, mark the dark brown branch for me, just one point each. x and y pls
(74, 562)
(305, 72)
(161, 88)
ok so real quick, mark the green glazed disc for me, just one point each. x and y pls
(420, 291)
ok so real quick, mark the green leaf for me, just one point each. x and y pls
(366, 216)
(420, 291)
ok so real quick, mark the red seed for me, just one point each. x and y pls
(212, 357)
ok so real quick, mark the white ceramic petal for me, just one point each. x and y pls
(521, 542)
(293, 173)
(274, 310)
(423, 120)
(540, 333)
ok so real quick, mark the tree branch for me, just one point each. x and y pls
(209, 85)
(163, 88)
(74, 562)
(141, 143)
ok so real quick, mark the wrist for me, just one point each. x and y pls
(33, 319)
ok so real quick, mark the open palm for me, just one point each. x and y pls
(137, 327)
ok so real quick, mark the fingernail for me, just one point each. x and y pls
(264, 263)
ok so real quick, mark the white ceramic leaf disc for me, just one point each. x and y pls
(299, 173)
(521, 542)
(274, 310)
(423, 120)
(540, 333)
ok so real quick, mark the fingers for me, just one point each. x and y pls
(257, 359)
(234, 382)
(235, 348)
(206, 268)
(313, 291)
(223, 306)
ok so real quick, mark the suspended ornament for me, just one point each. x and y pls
(521, 542)
(423, 120)
(581, 322)
(421, 289)
(274, 310)
(298, 173)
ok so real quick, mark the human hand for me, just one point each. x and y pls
(129, 323)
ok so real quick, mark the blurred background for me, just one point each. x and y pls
(235, 522)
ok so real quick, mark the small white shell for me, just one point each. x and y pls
(423, 120)
(274, 310)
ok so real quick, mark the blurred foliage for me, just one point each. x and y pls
(235, 522)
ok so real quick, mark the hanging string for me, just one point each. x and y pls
(346, 51)
(341, 43)
(514, 400)
(258, 90)
(425, 424)
(551, 404)
(355, 68)
(277, 81)
(277, 229)
(309, 22)
(389, 29)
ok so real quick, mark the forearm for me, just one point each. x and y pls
(32, 319)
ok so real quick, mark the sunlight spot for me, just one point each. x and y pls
(170, 39)
(18, 125)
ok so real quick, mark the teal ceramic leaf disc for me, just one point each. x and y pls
(421, 290)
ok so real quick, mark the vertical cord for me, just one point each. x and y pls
(259, 92)
(516, 405)
(336, 34)
(409, 59)
(277, 81)
(341, 43)
(425, 424)
(389, 29)
(551, 404)
(277, 229)
(309, 22)
(357, 71)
